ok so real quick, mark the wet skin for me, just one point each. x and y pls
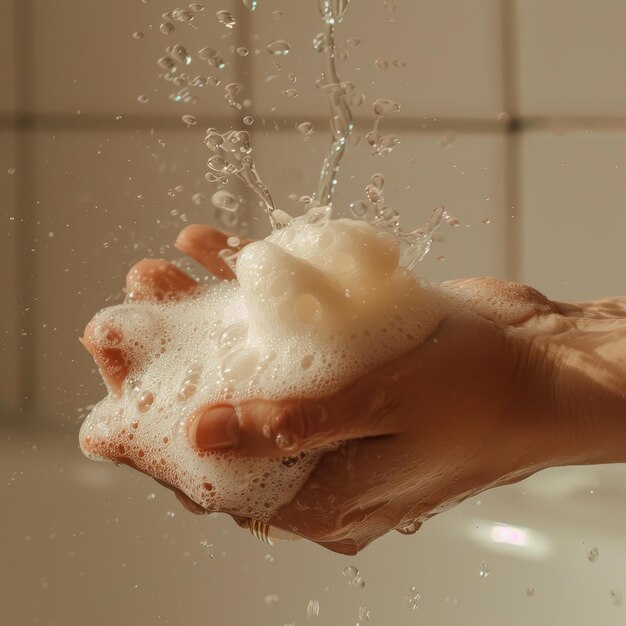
(507, 385)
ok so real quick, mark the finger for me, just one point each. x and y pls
(204, 244)
(156, 279)
(286, 427)
(101, 341)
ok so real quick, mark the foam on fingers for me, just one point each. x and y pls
(315, 306)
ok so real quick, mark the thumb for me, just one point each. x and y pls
(287, 426)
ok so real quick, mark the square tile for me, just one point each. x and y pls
(464, 173)
(571, 57)
(573, 218)
(101, 68)
(10, 337)
(448, 52)
(8, 63)
(102, 201)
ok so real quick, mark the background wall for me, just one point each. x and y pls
(512, 117)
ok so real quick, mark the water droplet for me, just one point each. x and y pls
(180, 53)
(243, 52)
(223, 199)
(226, 18)
(285, 441)
(250, 4)
(271, 599)
(484, 571)
(313, 609)
(530, 592)
(353, 575)
(453, 221)
(486, 220)
(305, 129)
(196, 7)
(447, 140)
(214, 82)
(356, 99)
(383, 107)
(233, 241)
(269, 558)
(353, 42)
(166, 28)
(381, 64)
(503, 117)
(290, 93)
(373, 194)
(617, 597)
(207, 548)
(151, 496)
(279, 47)
(197, 198)
(212, 56)
(138, 35)
(11, 171)
(190, 120)
(248, 120)
(320, 42)
(412, 599)
(143, 99)
(170, 514)
(358, 209)
(593, 555)
(364, 614)
(182, 15)
(167, 63)
(397, 63)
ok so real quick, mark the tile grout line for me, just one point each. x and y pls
(28, 367)
(513, 208)
(67, 122)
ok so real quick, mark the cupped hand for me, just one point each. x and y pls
(412, 437)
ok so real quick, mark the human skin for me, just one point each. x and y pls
(510, 383)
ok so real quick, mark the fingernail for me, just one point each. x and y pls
(216, 427)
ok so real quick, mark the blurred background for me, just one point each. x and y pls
(513, 116)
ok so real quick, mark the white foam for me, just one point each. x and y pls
(315, 306)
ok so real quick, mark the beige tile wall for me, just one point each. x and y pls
(101, 69)
(8, 60)
(574, 213)
(10, 335)
(450, 49)
(571, 56)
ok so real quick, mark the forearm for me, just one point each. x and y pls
(580, 380)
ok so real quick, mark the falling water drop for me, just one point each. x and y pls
(223, 199)
(412, 599)
(226, 18)
(180, 53)
(279, 47)
(190, 120)
(305, 129)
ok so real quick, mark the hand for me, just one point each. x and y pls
(464, 412)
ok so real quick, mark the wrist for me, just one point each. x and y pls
(575, 391)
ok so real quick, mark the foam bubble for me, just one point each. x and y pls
(300, 320)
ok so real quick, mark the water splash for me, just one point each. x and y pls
(341, 124)
(382, 144)
(233, 155)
